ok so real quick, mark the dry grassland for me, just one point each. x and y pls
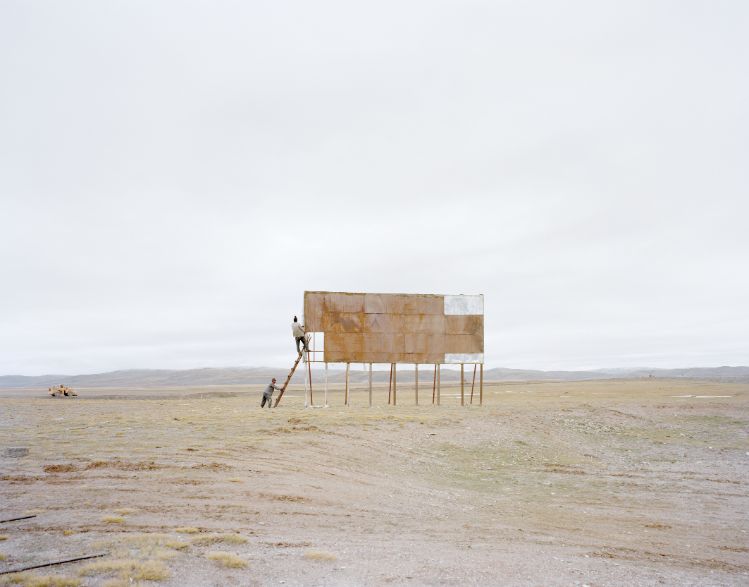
(593, 483)
(227, 559)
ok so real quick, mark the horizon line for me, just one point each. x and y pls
(445, 365)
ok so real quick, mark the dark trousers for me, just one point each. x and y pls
(266, 399)
(301, 339)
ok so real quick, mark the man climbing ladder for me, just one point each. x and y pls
(299, 335)
(293, 367)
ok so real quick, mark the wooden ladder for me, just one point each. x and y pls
(291, 374)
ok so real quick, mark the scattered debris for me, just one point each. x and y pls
(62, 562)
(16, 519)
(62, 391)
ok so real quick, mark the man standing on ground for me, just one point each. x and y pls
(299, 335)
(268, 393)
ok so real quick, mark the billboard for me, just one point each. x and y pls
(395, 328)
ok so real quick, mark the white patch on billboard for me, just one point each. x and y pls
(464, 305)
(458, 358)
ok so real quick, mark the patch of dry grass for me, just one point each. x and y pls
(212, 466)
(3, 537)
(207, 539)
(32, 580)
(113, 520)
(124, 465)
(227, 559)
(187, 530)
(3, 556)
(275, 497)
(658, 526)
(60, 468)
(163, 554)
(149, 570)
(124, 511)
(176, 544)
(319, 555)
(146, 546)
(68, 532)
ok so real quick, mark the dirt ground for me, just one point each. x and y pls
(594, 483)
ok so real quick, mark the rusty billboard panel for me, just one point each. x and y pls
(396, 328)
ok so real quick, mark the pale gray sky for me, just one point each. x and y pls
(173, 176)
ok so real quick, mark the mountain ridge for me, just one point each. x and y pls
(259, 375)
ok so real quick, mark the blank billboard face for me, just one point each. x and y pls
(397, 328)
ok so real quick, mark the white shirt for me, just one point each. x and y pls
(297, 329)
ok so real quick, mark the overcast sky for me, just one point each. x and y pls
(174, 175)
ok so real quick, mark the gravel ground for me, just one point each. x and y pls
(592, 483)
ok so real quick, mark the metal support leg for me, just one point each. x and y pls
(417, 384)
(306, 399)
(434, 384)
(395, 382)
(439, 383)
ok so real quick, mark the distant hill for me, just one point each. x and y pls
(256, 375)
(727, 374)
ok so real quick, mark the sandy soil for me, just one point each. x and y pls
(594, 483)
